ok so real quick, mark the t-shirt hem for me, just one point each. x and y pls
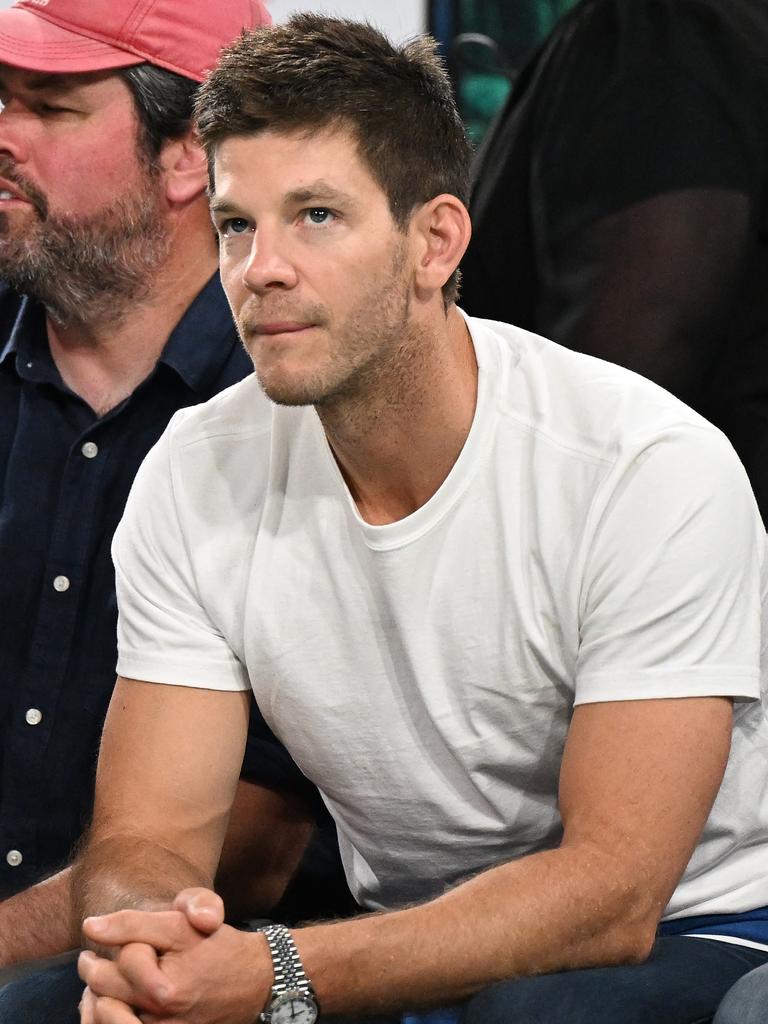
(213, 677)
(741, 686)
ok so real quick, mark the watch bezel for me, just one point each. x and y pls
(290, 995)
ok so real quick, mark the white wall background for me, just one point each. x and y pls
(398, 18)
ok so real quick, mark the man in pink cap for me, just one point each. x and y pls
(111, 318)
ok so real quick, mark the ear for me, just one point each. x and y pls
(442, 232)
(184, 169)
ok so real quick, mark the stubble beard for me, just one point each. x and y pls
(87, 268)
(372, 355)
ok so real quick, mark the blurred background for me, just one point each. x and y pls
(484, 41)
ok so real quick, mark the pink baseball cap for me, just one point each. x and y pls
(70, 36)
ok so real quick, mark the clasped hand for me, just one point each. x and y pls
(179, 966)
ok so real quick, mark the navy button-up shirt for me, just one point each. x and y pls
(64, 478)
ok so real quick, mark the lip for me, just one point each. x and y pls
(280, 327)
(16, 196)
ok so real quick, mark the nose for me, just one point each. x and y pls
(269, 264)
(14, 132)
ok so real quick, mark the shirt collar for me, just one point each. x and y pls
(196, 350)
(22, 322)
(10, 302)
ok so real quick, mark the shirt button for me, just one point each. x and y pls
(61, 583)
(14, 858)
(34, 716)
(90, 450)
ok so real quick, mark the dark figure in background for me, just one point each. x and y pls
(619, 205)
(105, 231)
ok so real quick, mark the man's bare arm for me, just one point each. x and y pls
(267, 834)
(168, 767)
(637, 783)
(38, 922)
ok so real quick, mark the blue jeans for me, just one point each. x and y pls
(681, 983)
(48, 997)
(747, 1001)
(51, 997)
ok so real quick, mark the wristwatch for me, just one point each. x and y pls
(292, 1000)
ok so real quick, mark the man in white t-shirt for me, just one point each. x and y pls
(501, 601)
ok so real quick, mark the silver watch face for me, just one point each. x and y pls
(293, 1008)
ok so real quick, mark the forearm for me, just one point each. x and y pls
(39, 922)
(159, 823)
(119, 872)
(635, 791)
(557, 910)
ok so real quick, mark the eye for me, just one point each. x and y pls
(49, 108)
(319, 215)
(233, 226)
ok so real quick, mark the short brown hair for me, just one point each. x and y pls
(314, 72)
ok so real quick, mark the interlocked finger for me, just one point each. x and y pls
(112, 1011)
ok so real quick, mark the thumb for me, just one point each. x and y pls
(203, 909)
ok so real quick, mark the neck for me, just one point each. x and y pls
(396, 446)
(103, 359)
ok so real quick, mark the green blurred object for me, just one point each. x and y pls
(492, 41)
(480, 96)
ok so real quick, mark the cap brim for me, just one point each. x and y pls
(35, 44)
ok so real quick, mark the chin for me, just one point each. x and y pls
(287, 392)
(296, 389)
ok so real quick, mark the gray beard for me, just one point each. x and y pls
(92, 268)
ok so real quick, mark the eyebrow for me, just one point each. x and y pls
(222, 205)
(319, 191)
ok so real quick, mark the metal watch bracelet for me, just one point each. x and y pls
(289, 973)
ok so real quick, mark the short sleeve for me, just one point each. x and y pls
(164, 632)
(671, 595)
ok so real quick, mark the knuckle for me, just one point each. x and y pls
(172, 999)
(95, 977)
(127, 955)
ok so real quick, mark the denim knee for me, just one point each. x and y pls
(47, 997)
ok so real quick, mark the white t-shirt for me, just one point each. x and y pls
(596, 540)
